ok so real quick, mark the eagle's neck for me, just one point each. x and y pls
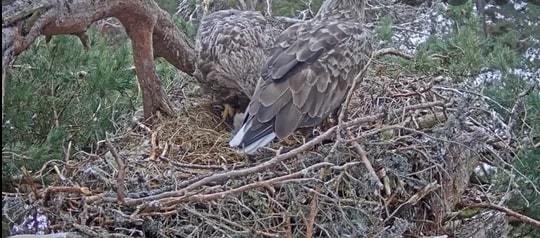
(351, 8)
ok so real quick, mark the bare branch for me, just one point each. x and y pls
(121, 172)
(394, 52)
(509, 212)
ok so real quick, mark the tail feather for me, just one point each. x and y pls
(253, 135)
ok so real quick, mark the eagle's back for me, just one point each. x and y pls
(231, 46)
(306, 77)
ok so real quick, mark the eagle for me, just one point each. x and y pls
(307, 75)
(231, 46)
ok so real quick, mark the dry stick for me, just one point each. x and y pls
(207, 216)
(358, 77)
(366, 162)
(313, 210)
(121, 173)
(63, 189)
(86, 230)
(415, 198)
(392, 51)
(206, 197)
(313, 204)
(342, 116)
(519, 216)
(236, 173)
(277, 159)
(288, 227)
(170, 202)
(68, 152)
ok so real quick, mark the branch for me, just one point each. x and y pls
(120, 194)
(366, 162)
(152, 32)
(394, 52)
(62, 189)
(270, 182)
(518, 216)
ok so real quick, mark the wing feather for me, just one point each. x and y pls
(271, 93)
(266, 113)
(307, 75)
(287, 120)
(300, 68)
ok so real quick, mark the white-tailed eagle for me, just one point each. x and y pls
(231, 46)
(311, 67)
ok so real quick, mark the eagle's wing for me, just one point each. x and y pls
(307, 76)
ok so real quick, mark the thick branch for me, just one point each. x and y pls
(151, 30)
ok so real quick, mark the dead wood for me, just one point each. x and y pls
(520, 217)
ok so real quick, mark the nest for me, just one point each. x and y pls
(396, 161)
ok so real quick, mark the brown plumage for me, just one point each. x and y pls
(231, 46)
(307, 75)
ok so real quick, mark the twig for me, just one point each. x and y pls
(392, 51)
(518, 216)
(68, 152)
(515, 113)
(270, 182)
(86, 230)
(312, 213)
(194, 166)
(288, 227)
(64, 189)
(368, 165)
(343, 111)
(121, 173)
(246, 230)
(60, 175)
(415, 198)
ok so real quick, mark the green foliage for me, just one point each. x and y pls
(527, 201)
(466, 51)
(384, 29)
(59, 92)
(185, 26)
(168, 5)
(290, 8)
(528, 162)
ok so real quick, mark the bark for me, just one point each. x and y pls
(150, 29)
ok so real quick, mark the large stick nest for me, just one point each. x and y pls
(423, 137)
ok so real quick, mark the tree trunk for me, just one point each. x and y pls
(151, 30)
